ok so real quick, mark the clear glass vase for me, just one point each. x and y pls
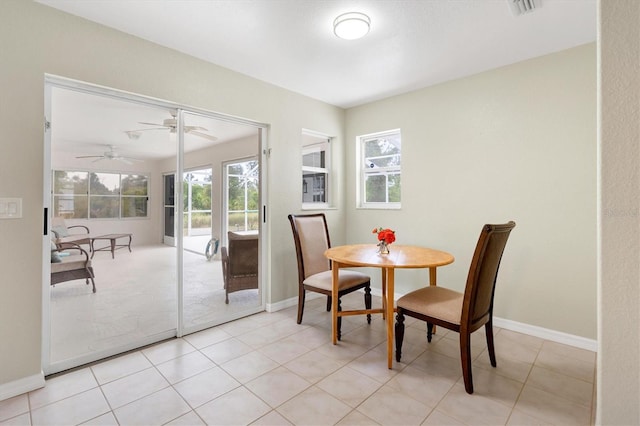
(383, 248)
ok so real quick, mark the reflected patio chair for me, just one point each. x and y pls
(77, 234)
(311, 237)
(240, 262)
(70, 262)
(465, 312)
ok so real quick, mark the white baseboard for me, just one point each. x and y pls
(531, 330)
(20, 386)
(293, 301)
(547, 334)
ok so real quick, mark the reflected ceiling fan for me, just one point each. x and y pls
(172, 124)
(112, 154)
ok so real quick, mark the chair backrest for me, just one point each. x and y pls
(243, 255)
(311, 236)
(477, 307)
(59, 227)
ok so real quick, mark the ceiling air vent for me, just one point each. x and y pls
(519, 7)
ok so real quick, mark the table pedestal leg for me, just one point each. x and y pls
(384, 293)
(432, 282)
(334, 303)
(389, 314)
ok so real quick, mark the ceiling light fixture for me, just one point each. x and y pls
(520, 7)
(351, 26)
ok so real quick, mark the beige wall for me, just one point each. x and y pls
(618, 397)
(35, 40)
(516, 143)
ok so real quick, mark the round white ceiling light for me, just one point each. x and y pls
(351, 26)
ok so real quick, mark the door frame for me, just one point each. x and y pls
(54, 81)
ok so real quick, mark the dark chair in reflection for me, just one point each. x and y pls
(240, 262)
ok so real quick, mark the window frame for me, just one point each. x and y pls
(364, 172)
(59, 196)
(321, 143)
(246, 211)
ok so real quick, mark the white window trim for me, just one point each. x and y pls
(361, 172)
(319, 146)
(120, 196)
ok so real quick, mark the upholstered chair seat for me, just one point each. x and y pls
(348, 279)
(439, 302)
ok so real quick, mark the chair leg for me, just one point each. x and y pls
(367, 302)
(90, 277)
(399, 334)
(429, 331)
(328, 303)
(301, 293)
(488, 330)
(465, 356)
(339, 319)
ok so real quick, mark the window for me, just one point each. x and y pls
(92, 195)
(196, 188)
(243, 197)
(315, 169)
(379, 170)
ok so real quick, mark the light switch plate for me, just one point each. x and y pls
(10, 208)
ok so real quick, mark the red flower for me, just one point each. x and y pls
(387, 235)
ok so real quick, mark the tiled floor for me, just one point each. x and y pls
(268, 370)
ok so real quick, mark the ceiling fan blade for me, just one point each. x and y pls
(150, 124)
(203, 135)
(190, 129)
(148, 128)
(90, 156)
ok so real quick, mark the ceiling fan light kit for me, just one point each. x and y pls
(351, 25)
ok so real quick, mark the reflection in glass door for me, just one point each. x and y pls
(206, 300)
(110, 190)
(135, 185)
(196, 224)
(242, 201)
(169, 210)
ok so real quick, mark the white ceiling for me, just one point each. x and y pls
(88, 124)
(290, 43)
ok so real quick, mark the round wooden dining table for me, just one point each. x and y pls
(366, 255)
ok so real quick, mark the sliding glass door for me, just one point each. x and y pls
(134, 169)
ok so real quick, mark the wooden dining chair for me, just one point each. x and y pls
(465, 312)
(311, 237)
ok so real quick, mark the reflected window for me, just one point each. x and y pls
(315, 169)
(243, 197)
(98, 195)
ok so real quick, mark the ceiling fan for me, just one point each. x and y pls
(112, 154)
(172, 124)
